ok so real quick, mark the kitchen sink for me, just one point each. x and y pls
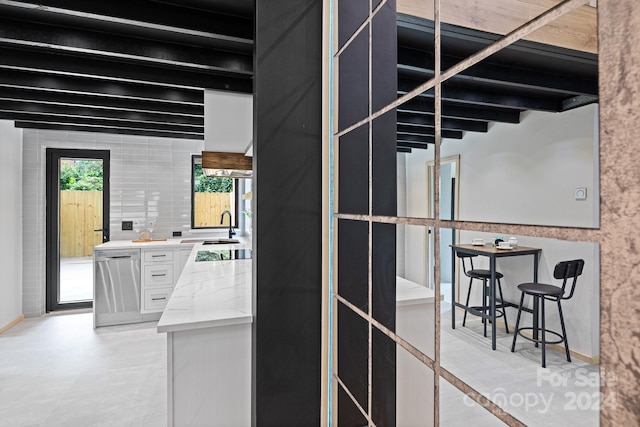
(220, 241)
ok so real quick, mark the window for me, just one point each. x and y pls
(210, 197)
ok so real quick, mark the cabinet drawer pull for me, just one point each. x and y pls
(159, 275)
(159, 256)
(158, 298)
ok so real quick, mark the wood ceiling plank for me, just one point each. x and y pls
(575, 30)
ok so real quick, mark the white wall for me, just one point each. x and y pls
(581, 312)
(527, 173)
(10, 222)
(228, 121)
(150, 179)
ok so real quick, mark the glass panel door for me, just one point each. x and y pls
(77, 220)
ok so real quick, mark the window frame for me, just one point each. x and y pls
(236, 200)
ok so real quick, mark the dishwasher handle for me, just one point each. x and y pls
(119, 257)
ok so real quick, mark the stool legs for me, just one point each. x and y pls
(564, 332)
(544, 342)
(485, 304)
(517, 331)
(464, 317)
(541, 328)
(504, 311)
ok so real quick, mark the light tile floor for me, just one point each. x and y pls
(562, 394)
(58, 371)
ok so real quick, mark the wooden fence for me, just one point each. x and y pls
(80, 214)
(208, 207)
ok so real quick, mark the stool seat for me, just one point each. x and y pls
(541, 292)
(540, 289)
(483, 274)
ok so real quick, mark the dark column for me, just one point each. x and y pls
(286, 343)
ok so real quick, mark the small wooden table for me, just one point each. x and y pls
(489, 251)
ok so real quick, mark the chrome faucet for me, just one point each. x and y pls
(231, 232)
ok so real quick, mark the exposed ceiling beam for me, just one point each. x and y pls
(19, 79)
(141, 18)
(425, 106)
(409, 144)
(96, 101)
(418, 130)
(447, 124)
(478, 98)
(73, 41)
(106, 129)
(46, 62)
(21, 116)
(55, 109)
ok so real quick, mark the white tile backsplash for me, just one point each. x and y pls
(150, 179)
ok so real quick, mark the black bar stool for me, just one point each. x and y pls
(485, 276)
(540, 292)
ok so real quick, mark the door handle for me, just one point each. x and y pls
(100, 229)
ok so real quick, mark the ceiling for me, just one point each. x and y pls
(140, 68)
(120, 66)
(523, 76)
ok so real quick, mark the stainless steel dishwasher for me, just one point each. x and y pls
(116, 286)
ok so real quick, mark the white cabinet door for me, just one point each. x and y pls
(157, 275)
(184, 257)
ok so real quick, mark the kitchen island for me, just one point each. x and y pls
(133, 280)
(208, 325)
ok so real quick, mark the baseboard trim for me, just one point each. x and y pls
(11, 324)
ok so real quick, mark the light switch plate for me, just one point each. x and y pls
(581, 193)
(127, 225)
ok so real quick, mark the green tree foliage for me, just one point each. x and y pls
(84, 175)
(204, 184)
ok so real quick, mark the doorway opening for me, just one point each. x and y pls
(449, 186)
(77, 220)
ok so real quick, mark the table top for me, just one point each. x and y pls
(489, 250)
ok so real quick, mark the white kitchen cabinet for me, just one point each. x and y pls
(157, 274)
(161, 269)
(184, 257)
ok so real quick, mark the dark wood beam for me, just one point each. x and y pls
(43, 61)
(57, 109)
(100, 122)
(72, 41)
(421, 105)
(165, 23)
(479, 98)
(107, 129)
(447, 124)
(417, 130)
(49, 82)
(417, 65)
(410, 144)
(40, 96)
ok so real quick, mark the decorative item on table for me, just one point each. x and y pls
(513, 242)
(477, 241)
(504, 245)
(497, 240)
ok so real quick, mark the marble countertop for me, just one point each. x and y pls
(210, 293)
(410, 293)
(174, 242)
(128, 244)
